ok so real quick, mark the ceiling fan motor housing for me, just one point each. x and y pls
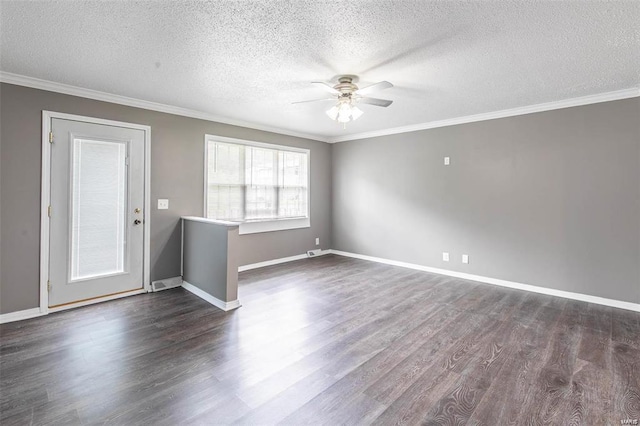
(345, 85)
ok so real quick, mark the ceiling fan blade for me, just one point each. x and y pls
(375, 101)
(314, 100)
(373, 88)
(326, 87)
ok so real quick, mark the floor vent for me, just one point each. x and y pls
(166, 284)
(313, 253)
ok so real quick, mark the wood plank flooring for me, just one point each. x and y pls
(329, 340)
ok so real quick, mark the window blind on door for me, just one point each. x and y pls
(98, 208)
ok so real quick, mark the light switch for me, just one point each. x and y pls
(163, 204)
(447, 161)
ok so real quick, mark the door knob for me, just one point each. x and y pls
(137, 222)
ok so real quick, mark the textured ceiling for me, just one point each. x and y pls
(249, 60)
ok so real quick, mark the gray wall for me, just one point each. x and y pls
(210, 259)
(550, 199)
(177, 156)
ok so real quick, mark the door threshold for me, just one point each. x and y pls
(93, 300)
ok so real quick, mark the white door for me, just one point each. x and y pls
(96, 228)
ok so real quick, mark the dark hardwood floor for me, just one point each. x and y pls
(329, 340)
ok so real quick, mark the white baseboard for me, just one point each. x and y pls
(503, 283)
(225, 306)
(278, 261)
(37, 312)
(21, 315)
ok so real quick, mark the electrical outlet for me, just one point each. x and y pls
(447, 161)
(317, 241)
(163, 204)
(465, 258)
(445, 256)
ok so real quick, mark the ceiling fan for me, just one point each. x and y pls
(346, 94)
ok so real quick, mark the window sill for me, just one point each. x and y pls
(274, 225)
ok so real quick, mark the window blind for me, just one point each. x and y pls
(251, 183)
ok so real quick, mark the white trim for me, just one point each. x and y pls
(51, 86)
(97, 300)
(38, 312)
(36, 83)
(147, 210)
(530, 109)
(95, 120)
(274, 225)
(281, 260)
(45, 200)
(21, 315)
(503, 283)
(225, 306)
(205, 180)
(182, 247)
(248, 142)
(218, 222)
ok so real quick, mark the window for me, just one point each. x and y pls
(265, 187)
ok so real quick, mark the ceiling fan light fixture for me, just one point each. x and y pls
(343, 119)
(347, 94)
(344, 112)
(333, 112)
(356, 113)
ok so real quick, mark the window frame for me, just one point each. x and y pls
(266, 225)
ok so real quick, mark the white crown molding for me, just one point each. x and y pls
(502, 283)
(51, 86)
(36, 83)
(548, 106)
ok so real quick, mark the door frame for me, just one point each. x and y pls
(45, 201)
